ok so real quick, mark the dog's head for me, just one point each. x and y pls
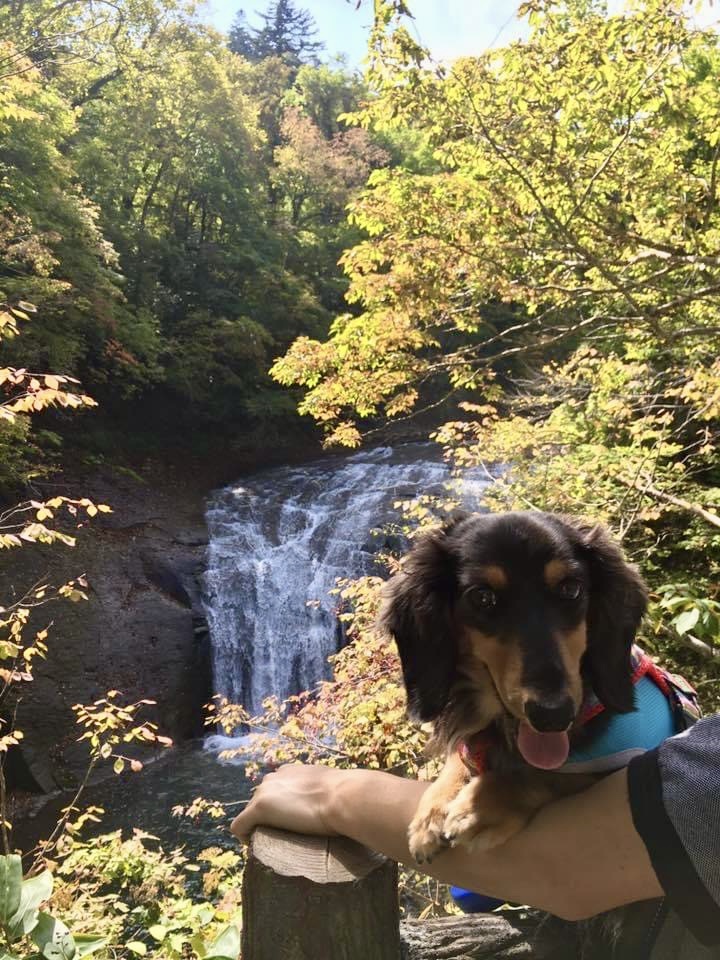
(544, 606)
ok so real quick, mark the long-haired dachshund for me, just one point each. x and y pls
(505, 624)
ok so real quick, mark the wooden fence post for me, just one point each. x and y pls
(318, 898)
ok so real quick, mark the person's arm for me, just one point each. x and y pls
(675, 801)
(578, 857)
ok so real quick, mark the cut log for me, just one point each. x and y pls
(318, 898)
(511, 935)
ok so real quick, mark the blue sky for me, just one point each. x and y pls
(450, 28)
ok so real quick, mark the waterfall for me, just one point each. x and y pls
(278, 542)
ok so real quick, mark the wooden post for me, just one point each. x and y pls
(318, 898)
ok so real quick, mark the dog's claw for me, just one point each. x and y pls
(425, 838)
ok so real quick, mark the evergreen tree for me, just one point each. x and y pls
(241, 40)
(287, 32)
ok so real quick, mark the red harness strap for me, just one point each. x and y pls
(473, 752)
(642, 664)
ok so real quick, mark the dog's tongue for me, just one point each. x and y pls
(548, 751)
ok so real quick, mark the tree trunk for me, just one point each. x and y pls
(318, 898)
(509, 935)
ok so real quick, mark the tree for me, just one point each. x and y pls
(326, 94)
(52, 250)
(139, 217)
(240, 37)
(287, 32)
(558, 273)
(317, 176)
(588, 205)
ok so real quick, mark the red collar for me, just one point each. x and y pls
(474, 751)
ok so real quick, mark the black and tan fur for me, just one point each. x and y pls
(500, 619)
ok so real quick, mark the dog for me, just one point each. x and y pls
(505, 625)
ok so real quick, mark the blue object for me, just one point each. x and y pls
(625, 736)
(470, 902)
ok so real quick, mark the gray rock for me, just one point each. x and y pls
(142, 631)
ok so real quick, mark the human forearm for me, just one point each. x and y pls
(579, 856)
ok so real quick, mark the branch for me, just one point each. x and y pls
(690, 640)
(645, 487)
(699, 646)
(93, 92)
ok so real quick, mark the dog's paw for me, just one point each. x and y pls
(425, 834)
(462, 821)
(480, 820)
(478, 834)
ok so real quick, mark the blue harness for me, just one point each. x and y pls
(665, 704)
(627, 734)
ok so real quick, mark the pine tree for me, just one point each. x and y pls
(287, 32)
(241, 39)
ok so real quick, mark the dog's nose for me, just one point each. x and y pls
(550, 718)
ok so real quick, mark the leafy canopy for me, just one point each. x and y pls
(577, 184)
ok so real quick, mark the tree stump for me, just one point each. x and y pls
(318, 898)
(510, 935)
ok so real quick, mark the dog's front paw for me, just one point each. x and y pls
(425, 833)
(482, 816)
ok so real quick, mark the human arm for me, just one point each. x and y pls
(675, 801)
(578, 857)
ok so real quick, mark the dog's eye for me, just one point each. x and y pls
(570, 589)
(481, 598)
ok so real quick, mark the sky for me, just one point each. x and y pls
(450, 28)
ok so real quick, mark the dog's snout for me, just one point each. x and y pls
(550, 718)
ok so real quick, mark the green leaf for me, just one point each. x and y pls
(206, 914)
(198, 945)
(137, 946)
(176, 941)
(158, 931)
(34, 891)
(227, 942)
(10, 887)
(88, 943)
(687, 620)
(53, 939)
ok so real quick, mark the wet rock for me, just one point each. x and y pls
(142, 631)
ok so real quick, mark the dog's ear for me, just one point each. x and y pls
(616, 604)
(418, 613)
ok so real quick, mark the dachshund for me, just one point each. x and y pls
(505, 624)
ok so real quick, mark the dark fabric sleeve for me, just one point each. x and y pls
(674, 795)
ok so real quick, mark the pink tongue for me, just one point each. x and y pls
(548, 751)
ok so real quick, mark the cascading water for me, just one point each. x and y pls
(278, 542)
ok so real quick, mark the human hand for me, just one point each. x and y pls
(295, 797)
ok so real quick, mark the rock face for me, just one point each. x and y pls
(142, 632)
